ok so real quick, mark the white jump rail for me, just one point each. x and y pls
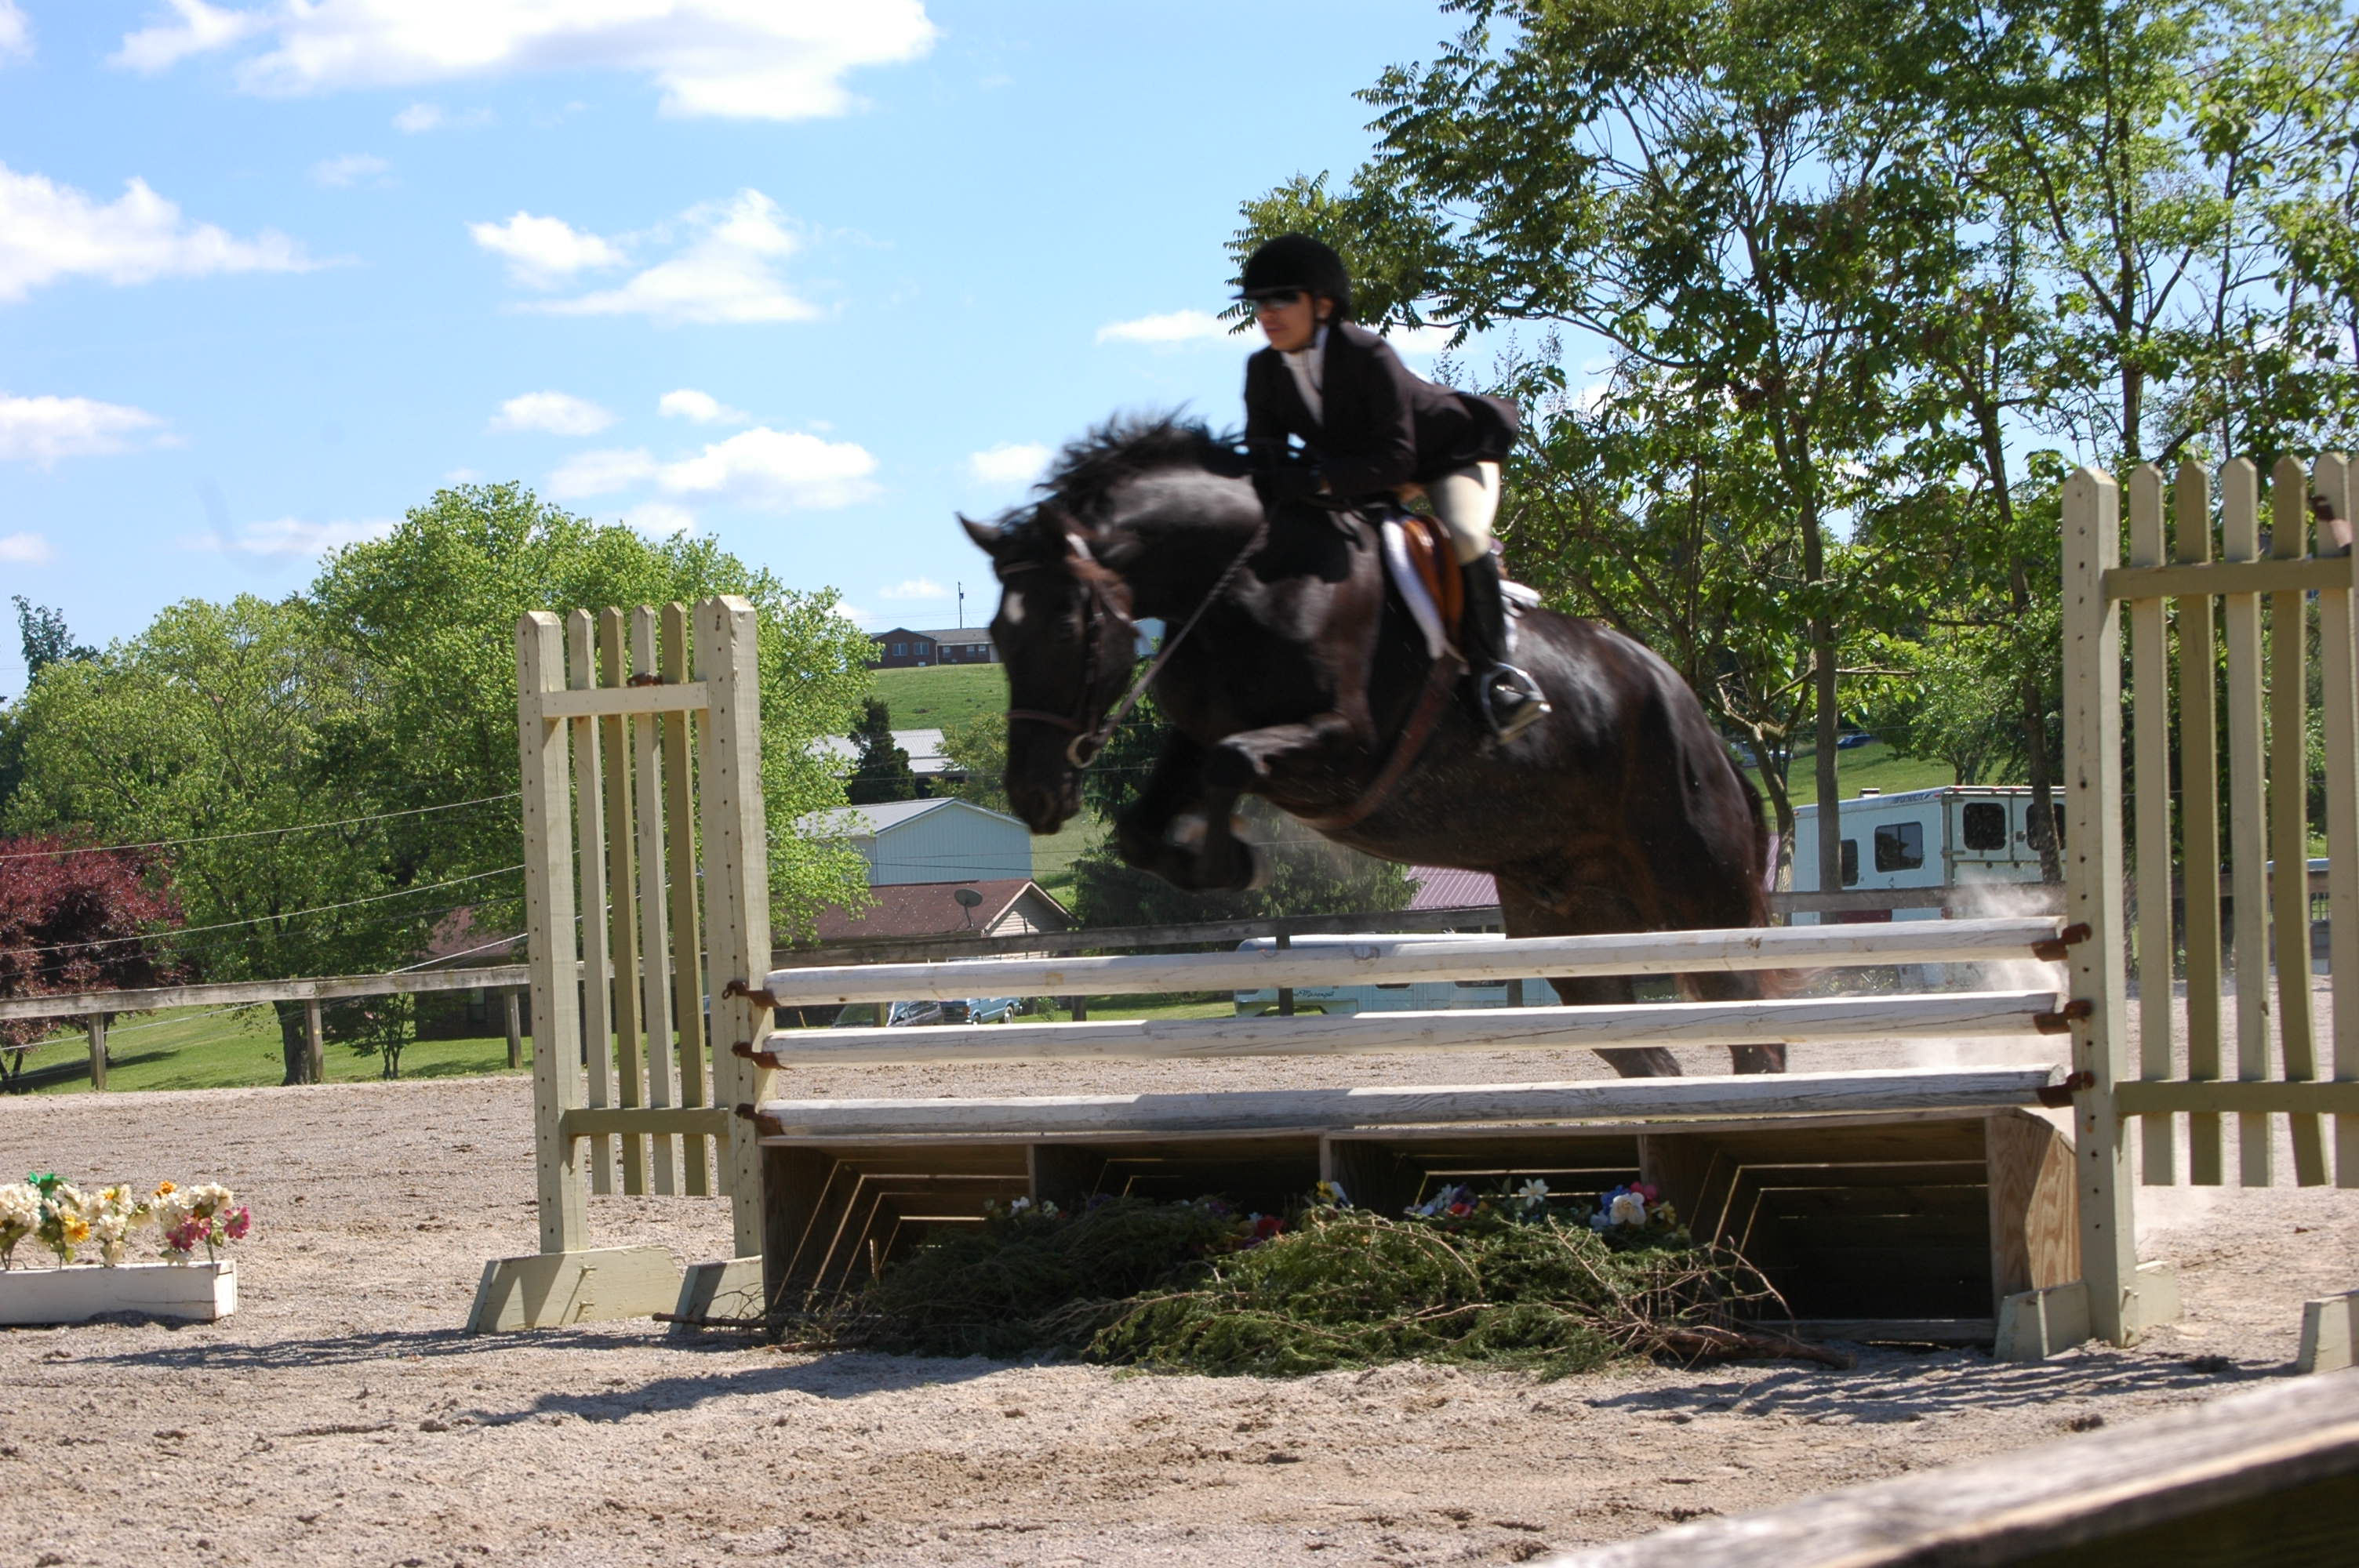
(1935, 1016)
(1399, 960)
(786, 1121)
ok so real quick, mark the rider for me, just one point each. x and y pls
(1372, 431)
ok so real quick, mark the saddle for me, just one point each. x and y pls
(1418, 558)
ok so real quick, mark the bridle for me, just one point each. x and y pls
(1088, 740)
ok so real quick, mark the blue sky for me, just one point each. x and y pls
(807, 277)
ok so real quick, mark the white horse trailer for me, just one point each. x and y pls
(1406, 996)
(1953, 836)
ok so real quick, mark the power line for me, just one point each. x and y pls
(260, 919)
(259, 832)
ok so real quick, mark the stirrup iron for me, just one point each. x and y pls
(1508, 719)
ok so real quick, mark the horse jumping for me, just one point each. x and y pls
(1302, 678)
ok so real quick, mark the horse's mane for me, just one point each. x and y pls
(1124, 447)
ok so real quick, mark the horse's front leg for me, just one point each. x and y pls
(1289, 760)
(1179, 827)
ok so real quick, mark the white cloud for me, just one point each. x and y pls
(600, 473)
(766, 469)
(1010, 462)
(765, 60)
(557, 413)
(1171, 326)
(1425, 341)
(542, 253)
(660, 519)
(201, 28)
(25, 550)
(349, 169)
(699, 407)
(15, 38)
(292, 536)
(914, 588)
(41, 430)
(776, 470)
(49, 231)
(421, 118)
(726, 274)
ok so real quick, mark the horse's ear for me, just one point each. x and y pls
(988, 537)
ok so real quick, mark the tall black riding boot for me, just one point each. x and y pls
(1509, 700)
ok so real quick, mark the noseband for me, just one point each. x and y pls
(1089, 739)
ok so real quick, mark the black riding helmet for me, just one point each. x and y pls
(1293, 262)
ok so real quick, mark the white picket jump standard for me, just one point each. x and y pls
(785, 1121)
(1937, 1016)
(1399, 960)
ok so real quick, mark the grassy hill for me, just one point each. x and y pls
(939, 698)
(1872, 766)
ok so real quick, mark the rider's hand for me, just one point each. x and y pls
(1291, 482)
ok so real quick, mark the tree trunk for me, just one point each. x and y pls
(294, 1052)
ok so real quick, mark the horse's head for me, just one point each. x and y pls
(1064, 633)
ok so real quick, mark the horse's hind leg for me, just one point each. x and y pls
(1737, 986)
(1585, 912)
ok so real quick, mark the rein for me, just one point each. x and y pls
(1088, 742)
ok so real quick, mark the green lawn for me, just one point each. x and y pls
(942, 696)
(1872, 766)
(199, 1048)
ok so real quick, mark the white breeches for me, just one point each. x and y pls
(1466, 502)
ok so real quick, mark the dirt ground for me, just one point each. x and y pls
(341, 1416)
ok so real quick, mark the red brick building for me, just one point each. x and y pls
(903, 649)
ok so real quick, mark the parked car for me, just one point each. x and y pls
(896, 1014)
(1856, 738)
(992, 1009)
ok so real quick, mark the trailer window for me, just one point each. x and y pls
(1850, 861)
(1985, 825)
(1899, 847)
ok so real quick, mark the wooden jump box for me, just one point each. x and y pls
(1911, 1224)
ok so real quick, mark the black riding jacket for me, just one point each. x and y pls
(1383, 426)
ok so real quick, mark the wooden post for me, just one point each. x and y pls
(2240, 538)
(2339, 685)
(622, 888)
(655, 931)
(97, 1051)
(2150, 726)
(2199, 805)
(315, 1042)
(549, 909)
(1284, 993)
(589, 795)
(737, 884)
(509, 1005)
(2092, 744)
(2290, 808)
(687, 930)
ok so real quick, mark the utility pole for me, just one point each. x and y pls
(961, 593)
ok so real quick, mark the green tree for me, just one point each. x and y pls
(880, 773)
(209, 729)
(431, 612)
(979, 746)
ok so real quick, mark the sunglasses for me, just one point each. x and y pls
(1276, 298)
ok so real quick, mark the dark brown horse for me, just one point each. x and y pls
(1620, 812)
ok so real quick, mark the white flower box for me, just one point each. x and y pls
(201, 1291)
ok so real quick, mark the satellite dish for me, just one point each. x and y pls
(968, 897)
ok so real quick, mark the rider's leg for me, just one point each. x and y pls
(1465, 501)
